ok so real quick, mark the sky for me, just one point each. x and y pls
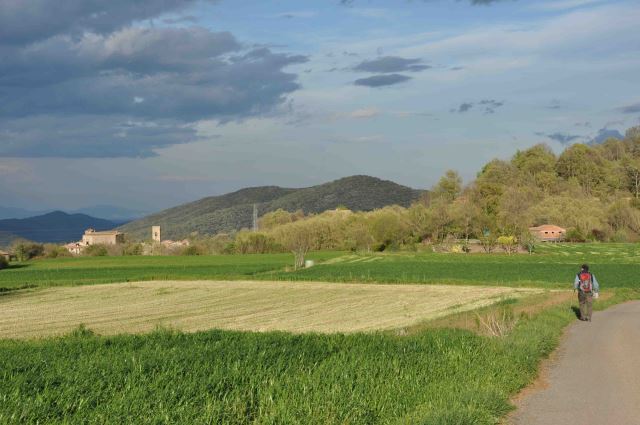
(149, 104)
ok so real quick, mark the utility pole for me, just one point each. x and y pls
(255, 217)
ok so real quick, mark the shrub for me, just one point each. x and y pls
(191, 250)
(488, 243)
(27, 250)
(575, 235)
(55, 251)
(97, 250)
(132, 249)
(508, 243)
(620, 236)
(3, 263)
(255, 243)
(598, 235)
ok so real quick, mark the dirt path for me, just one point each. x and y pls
(595, 378)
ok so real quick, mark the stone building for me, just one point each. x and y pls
(155, 234)
(107, 237)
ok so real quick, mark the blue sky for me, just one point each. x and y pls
(152, 105)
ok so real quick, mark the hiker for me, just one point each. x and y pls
(587, 286)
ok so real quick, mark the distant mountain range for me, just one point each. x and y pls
(233, 211)
(107, 212)
(56, 226)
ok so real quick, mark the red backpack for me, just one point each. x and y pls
(585, 282)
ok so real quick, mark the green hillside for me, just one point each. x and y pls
(233, 211)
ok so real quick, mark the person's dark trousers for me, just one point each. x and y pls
(586, 302)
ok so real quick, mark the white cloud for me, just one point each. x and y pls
(364, 113)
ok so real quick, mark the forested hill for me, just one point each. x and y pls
(234, 211)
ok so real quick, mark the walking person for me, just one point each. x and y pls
(587, 286)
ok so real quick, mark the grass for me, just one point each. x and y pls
(93, 270)
(440, 372)
(553, 266)
(438, 376)
(241, 305)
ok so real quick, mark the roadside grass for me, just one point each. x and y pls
(434, 376)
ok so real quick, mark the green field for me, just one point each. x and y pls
(92, 270)
(423, 375)
(552, 266)
(224, 377)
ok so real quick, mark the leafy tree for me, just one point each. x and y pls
(514, 214)
(535, 160)
(357, 234)
(464, 214)
(491, 183)
(509, 243)
(248, 242)
(613, 149)
(449, 186)
(388, 227)
(632, 168)
(583, 163)
(278, 217)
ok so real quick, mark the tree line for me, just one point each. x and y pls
(591, 190)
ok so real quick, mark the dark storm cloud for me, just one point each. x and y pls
(631, 109)
(490, 105)
(83, 136)
(24, 21)
(604, 134)
(387, 64)
(181, 19)
(381, 80)
(163, 79)
(464, 107)
(562, 138)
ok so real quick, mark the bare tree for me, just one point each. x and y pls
(298, 238)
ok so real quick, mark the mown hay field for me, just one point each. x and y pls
(242, 305)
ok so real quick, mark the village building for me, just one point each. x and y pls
(548, 233)
(108, 237)
(74, 248)
(155, 234)
(6, 255)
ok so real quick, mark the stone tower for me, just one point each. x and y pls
(155, 233)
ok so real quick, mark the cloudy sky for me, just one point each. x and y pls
(153, 103)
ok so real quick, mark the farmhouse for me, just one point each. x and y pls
(108, 237)
(548, 232)
(6, 255)
(74, 248)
